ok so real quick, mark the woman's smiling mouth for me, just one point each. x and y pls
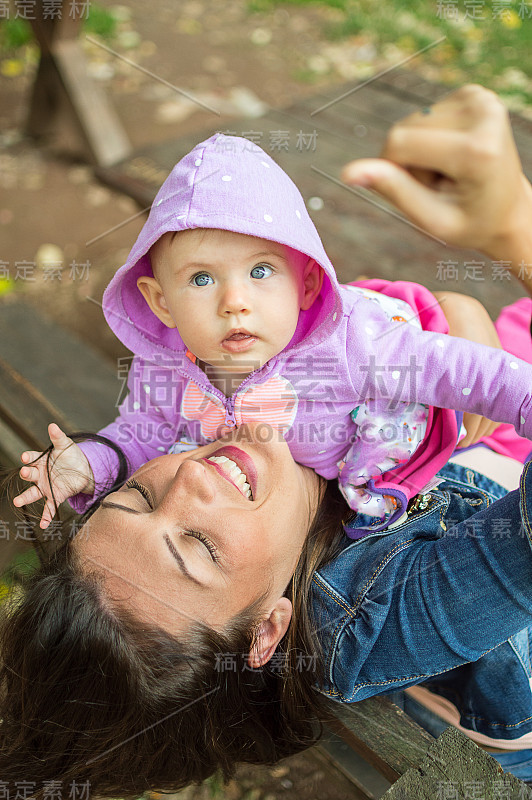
(232, 472)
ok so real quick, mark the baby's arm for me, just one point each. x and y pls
(399, 363)
(145, 427)
(141, 431)
(56, 475)
(468, 319)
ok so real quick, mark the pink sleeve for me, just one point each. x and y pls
(513, 327)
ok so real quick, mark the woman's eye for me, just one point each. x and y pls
(201, 279)
(261, 271)
(213, 552)
(143, 490)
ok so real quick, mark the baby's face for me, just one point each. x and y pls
(235, 299)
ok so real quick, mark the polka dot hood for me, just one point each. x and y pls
(230, 183)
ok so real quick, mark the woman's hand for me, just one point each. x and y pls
(456, 172)
(469, 319)
(70, 473)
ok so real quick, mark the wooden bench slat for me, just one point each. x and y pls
(381, 733)
(454, 767)
(97, 118)
(24, 409)
(49, 375)
(63, 82)
(368, 781)
(73, 377)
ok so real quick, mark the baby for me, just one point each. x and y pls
(234, 313)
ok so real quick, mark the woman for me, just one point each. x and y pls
(181, 630)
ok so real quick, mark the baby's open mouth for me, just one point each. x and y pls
(237, 337)
(237, 341)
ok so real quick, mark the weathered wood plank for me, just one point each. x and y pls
(24, 409)
(98, 121)
(382, 734)
(48, 374)
(454, 767)
(367, 780)
(11, 446)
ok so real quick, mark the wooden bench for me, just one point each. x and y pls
(48, 374)
(63, 91)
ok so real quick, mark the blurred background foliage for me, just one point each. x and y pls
(487, 41)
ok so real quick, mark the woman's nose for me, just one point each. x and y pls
(192, 482)
(234, 300)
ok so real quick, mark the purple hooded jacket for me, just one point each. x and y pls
(345, 350)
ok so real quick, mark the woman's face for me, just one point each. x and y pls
(147, 537)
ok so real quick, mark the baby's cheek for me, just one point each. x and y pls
(281, 331)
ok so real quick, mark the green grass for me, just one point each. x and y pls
(476, 50)
(100, 22)
(20, 568)
(267, 5)
(15, 33)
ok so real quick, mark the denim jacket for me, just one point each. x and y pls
(443, 599)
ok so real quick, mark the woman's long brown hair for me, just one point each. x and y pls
(92, 696)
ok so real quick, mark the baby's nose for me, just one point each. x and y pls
(235, 300)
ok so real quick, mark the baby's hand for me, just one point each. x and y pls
(69, 476)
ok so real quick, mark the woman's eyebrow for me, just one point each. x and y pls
(182, 565)
(169, 544)
(110, 504)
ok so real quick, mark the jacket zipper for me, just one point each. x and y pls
(230, 411)
(229, 402)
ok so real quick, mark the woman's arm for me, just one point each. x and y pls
(456, 172)
(450, 584)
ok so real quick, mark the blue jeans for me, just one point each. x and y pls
(518, 762)
(444, 600)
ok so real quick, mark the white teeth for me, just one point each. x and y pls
(235, 473)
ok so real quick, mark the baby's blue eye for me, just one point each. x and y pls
(261, 271)
(201, 279)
